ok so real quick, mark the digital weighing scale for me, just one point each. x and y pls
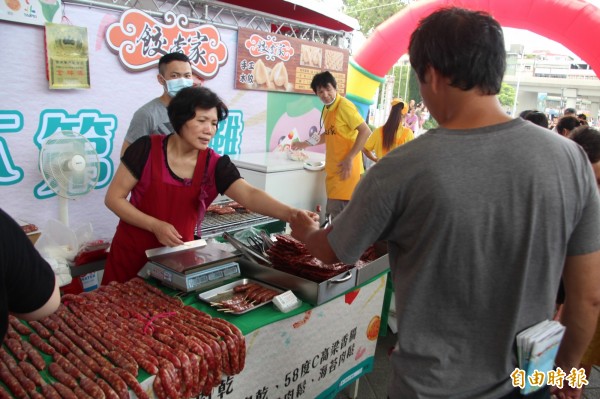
(192, 266)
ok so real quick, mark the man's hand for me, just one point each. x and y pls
(344, 168)
(299, 145)
(566, 392)
(303, 223)
(166, 234)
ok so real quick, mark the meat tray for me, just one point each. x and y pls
(225, 292)
(307, 290)
(372, 269)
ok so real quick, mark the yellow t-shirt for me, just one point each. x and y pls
(375, 140)
(340, 121)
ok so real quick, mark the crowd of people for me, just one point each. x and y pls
(483, 216)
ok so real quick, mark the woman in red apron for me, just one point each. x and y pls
(171, 180)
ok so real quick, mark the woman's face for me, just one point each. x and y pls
(199, 130)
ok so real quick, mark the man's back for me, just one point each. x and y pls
(480, 224)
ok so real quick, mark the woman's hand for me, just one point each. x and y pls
(166, 234)
(566, 392)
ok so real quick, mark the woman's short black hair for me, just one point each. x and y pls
(183, 106)
(463, 45)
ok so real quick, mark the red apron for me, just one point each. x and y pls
(173, 204)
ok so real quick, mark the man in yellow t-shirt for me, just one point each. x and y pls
(344, 133)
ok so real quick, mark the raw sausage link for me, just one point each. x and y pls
(158, 389)
(17, 325)
(18, 373)
(16, 348)
(40, 329)
(81, 394)
(62, 376)
(12, 333)
(34, 356)
(80, 365)
(6, 395)
(32, 373)
(50, 392)
(42, 345)
(107, 389)
(119, 359)
(64, 391)
(132, 383)
(91, 388)
(67, 366)
(167, 383)
(58, 346)
(11, 382)
(116, 382)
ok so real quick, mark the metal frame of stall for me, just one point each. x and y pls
(228, 16)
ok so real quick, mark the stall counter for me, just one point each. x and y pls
(312, 352)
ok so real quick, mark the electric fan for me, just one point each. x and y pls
(70, 167)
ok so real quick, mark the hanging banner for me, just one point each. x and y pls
(68, 59)
(140, 41)
(34, 12)
(267, 61)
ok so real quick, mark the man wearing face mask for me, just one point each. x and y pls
(174, 73)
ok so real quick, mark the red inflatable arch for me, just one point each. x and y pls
(573, 23)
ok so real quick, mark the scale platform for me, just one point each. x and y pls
(192, 266)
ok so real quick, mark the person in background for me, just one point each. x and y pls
(582, 119)
(29, 288)
(566, 124)
(171, 180)
(174, 73)
(344, 133)
(389, 136)
(411, 120)
(569, 112)
(467, 211)
(589, 139)
(537, 117)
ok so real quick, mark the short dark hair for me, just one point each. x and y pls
(567, 122)
(537, 117)
(170, 57)
(183, 106)
(322, 80)
(570, 111)
(463, 45)
(589, 139)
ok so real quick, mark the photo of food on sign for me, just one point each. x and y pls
(274, 62)
(271, 77)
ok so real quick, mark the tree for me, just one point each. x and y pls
(372, 13)
(507, 95)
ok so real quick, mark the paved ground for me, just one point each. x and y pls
(374, 385)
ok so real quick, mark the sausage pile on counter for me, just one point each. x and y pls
(98, 340)
(291, 256)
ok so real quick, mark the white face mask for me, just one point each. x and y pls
(174, 85)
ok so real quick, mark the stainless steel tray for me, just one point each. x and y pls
(309, 291)
(225, 292)
(372, 269)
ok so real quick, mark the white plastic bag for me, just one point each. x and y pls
(59, 244)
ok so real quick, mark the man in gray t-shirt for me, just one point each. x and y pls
(174, 73)
(480, 216)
